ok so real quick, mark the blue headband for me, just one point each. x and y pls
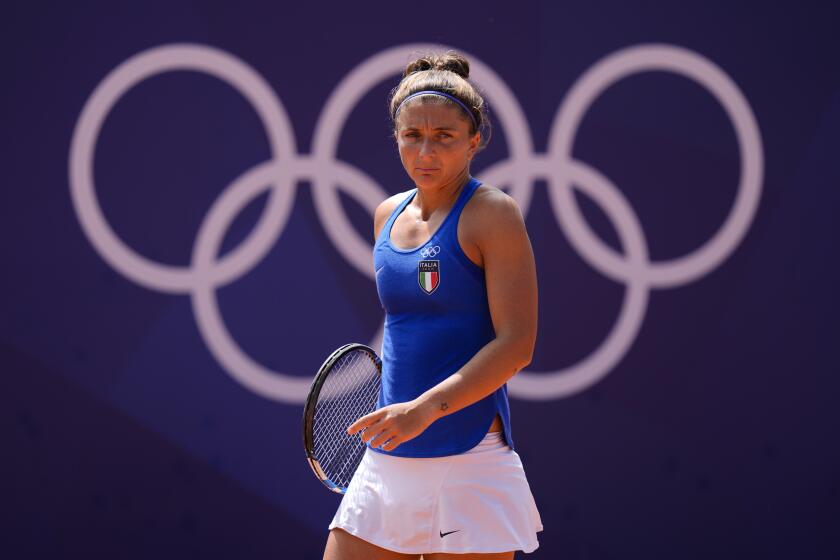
(433, 92)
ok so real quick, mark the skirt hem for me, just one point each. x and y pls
(527, 549)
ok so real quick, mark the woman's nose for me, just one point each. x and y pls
(426, 147)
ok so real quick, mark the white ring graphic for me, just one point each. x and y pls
(156, 276)
(207, 272)
(691, 65)
(428, 252)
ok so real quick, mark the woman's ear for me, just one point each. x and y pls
(474, 141)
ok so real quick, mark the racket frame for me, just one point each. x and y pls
(312, 401)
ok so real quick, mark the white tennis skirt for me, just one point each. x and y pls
(475, 502)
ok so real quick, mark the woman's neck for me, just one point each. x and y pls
(431, 199)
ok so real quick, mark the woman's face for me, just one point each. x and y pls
(435, 144)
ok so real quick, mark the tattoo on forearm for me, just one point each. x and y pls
(444, 406)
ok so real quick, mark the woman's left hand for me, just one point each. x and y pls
(392, 425)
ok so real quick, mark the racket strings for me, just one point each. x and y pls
(350, 390)
(339, 453)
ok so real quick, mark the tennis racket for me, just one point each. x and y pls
(344, 389)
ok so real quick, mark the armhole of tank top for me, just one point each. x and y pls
(385, 232)
(462, 256)
(459, 253)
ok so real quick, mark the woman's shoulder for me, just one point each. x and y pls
(390, 203)
(385, 208)
(490, 205)
(490, 217)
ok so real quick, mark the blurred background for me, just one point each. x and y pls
(185, 218)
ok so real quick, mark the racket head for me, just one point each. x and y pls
(345, 388)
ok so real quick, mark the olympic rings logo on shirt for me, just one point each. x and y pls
(428, 252)
(207, 272)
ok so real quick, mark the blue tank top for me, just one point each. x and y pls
(436, 319)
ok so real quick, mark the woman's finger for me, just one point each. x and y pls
(371, 433)
(363, 422)
(392, 444)
(380, 438)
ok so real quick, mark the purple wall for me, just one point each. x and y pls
(679, 173)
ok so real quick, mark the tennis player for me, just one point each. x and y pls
(456, 276)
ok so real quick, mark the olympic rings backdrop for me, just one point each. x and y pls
(187, 215)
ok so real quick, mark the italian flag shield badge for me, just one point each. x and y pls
(428, 275)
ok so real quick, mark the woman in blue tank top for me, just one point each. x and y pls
(456, 277)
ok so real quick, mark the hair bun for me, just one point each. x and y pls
(449, 60)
